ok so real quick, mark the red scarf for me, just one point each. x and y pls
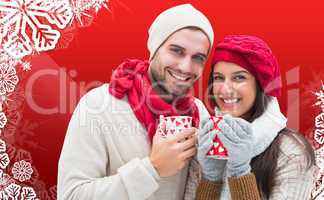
(131, 79)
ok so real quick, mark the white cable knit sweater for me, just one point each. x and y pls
(105, 154)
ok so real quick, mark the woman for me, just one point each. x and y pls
(245, 80)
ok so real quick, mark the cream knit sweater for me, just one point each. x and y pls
(105, 154)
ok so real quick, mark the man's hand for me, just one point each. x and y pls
(172, 153)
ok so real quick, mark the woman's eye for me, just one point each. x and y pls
(218, 78)
(239, 78)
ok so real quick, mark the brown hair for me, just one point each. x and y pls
(265, 164)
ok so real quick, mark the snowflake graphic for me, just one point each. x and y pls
(38, 185)
(4, 160)
(22, 171)
(67, 35)
(26, 66)
(319, 136)
(22, 135)
(320, 158)
(3, 119)
(19, 16)
(308, 101)
(82, 10)
(98, 4)
(2, 148)
(5, 181)
(4, 57)
(53, 191)
(79, 9)
(28, 193)
(319, 121)
(13, 102)
(22, 154)
(318, 191)
(320, 98)
(13, 190)
(8, 78)
(44, 195)
(8, 134)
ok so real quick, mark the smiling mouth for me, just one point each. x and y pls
(230, 101)
(179, 76)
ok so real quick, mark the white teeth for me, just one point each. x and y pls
(179, 77)
(231, 100)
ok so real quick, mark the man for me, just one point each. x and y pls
(111, 149)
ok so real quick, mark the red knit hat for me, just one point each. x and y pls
(254, 55)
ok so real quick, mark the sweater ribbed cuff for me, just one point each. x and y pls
(244, 187)
(208, 190)
(148, 165)
(134, 175)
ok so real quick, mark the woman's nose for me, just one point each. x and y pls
(227, 87)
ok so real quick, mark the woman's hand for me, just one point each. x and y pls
(212, 169)
(236, 136)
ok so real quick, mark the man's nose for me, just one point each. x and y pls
(185, 65)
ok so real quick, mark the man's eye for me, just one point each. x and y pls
(177, 51)
(199, 59)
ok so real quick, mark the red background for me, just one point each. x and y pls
(293, 29)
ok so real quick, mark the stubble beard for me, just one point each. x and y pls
(160, 85)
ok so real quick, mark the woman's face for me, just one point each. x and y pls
(234, 89)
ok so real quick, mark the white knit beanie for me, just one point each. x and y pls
(173, 19)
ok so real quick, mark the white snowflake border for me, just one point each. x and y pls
(22, 171)
(318, 190)
(319, 119)
(28, 27)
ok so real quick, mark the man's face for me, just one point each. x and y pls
(179, 62)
